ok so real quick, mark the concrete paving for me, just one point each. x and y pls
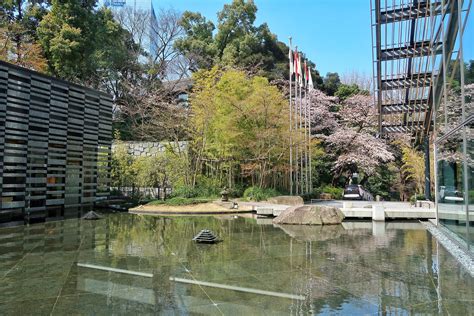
(384, 210)
(357, 209)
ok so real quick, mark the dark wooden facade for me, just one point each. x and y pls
(55, 146)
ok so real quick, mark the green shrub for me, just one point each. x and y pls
(471, 196)
(237, 191)
(179, 201)
(416, 197)
(156, 202)
(207, 187)
(312, 195)
(336, 193)
(185, 192)
(259, 194)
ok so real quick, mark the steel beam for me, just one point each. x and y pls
(401, 128)
(416, 49)
(378, 40)
(414, 80)
(403, 108)
(449, 42)
(410, 12)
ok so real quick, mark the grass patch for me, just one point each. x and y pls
(179, 201)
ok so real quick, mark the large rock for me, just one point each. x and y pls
(310, 215)
(314, 232)
(286, 200)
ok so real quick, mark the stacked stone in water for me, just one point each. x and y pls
(92, 216)
(205, 236)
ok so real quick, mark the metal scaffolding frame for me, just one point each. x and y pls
(406, 38)
(413, 42)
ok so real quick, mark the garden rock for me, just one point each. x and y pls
(286, 200)
(310, 215)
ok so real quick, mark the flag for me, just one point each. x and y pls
(310, 80)
(300, 81)
(305, 74)
(290, 57)
(295, 64)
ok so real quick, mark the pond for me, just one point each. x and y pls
(131, 264)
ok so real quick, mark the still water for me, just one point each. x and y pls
(130, 264)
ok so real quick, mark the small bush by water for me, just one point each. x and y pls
(259, 194)
(336, 193)
(179, 201)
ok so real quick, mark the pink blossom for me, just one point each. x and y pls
(353, 143)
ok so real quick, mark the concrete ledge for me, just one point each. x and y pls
(358, 212)
(347, 205)
(378, 213)
(411, 214)
(389, 214)
(266, 211)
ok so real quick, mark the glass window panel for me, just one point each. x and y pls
(450, 165)
(470, 173)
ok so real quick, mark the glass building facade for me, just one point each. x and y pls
(453, 94)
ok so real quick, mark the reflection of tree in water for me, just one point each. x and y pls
(330, 266)
(450, 149)
(449, 113)
(398, 281)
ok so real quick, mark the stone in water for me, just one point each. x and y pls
(91, 216)
(206, 236)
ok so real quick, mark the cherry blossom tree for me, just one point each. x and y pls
(322, 118)
(353, 143)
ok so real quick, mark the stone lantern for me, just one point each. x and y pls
(225, 195)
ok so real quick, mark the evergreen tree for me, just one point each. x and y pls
(237, 42)
(332, 82)
(81, 43)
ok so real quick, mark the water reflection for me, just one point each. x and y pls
(84, 267)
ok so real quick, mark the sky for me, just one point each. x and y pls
(334, 34)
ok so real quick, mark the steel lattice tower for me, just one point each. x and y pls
(406, 38)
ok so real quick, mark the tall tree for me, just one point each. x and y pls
(237, 42)
(345, 91)
(240, 122)
(331, 83)
(414, 168)
(322, 112)
(19, 20)
(353, 143)
(198, 43)
(81, 43)
(166, 61)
